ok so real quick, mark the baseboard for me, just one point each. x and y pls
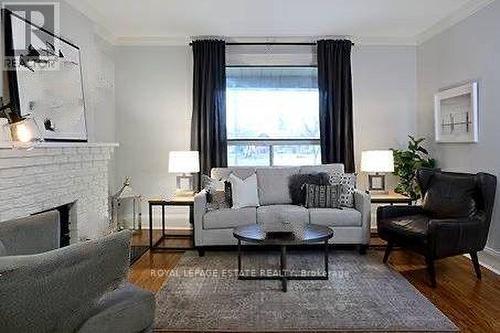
(490, 259)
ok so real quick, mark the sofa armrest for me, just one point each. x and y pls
(128, 309)
(67, 282)
(362, 203)
(449, 237)
(200, 208)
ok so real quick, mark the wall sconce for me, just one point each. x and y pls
(23, 131)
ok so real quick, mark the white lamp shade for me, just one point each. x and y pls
(377, 161)
(183, 162)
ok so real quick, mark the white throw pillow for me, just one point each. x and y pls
(245, 192)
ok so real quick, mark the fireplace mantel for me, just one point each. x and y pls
(55, 174)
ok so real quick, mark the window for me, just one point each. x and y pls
(272, 116)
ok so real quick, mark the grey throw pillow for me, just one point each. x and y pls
(322, 196)
(347, 182)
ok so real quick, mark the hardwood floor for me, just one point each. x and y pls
(473, 305)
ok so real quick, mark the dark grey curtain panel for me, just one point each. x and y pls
(208, 124)
(335, 102)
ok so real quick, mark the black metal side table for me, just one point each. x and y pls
(164, 203)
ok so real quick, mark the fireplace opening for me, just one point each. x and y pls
(65, 218)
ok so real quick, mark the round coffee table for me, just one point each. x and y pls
(297, 235)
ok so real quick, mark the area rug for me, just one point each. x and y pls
(362, 294)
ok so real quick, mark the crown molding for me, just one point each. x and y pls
(464, 12)
(183, 41)
(100, 27)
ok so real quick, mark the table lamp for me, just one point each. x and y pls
(377, 162)
(185, 163)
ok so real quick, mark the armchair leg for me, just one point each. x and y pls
(388, 250)
(362, 248)
(431, 271)
(475, 262)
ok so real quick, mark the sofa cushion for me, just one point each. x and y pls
(345, 217)
(335, 168)
(229, 218)
(273, 185)
(282, 213)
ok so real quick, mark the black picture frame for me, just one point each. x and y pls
(13, 79)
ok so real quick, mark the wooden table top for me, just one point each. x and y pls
(389, 197)
(175, 200)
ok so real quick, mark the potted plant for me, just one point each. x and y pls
(407, 162)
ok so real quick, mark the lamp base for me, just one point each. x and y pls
(376, 183)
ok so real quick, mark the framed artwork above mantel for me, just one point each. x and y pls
(456, 114)
(46, 81)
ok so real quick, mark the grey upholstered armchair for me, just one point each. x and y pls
(79, 288)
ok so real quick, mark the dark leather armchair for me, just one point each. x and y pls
(454, 218)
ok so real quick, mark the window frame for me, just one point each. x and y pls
(271, 143)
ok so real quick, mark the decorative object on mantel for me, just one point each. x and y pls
(126, 208)
(23, 132)
(407, 162)
(186, 163)
(456, 114)
(378, 162)
(46, 83)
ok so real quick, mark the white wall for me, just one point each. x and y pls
(153, 99)
(467, 51)
(384, 98)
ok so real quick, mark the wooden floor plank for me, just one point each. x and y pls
(473, 305)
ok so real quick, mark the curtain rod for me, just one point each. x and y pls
(270, 43)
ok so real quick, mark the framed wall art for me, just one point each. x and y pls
(46, 81)
(456, 114)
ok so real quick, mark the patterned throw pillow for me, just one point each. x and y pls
(218, 193)
(347, 182)
(322, 196)
(217, 201)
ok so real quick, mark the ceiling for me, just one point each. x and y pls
(368, 21)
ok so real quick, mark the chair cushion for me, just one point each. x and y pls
(282, 213)
(332, 217)
(411, 227)
(273, 185)
(127, 309)
(229, 218)
(450, 196)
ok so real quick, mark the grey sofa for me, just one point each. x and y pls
(79, 288)
(215, 228)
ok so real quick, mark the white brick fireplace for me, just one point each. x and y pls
(57, 174)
